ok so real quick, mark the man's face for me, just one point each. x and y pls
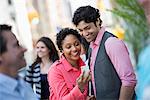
(88, 30)
(13, 57)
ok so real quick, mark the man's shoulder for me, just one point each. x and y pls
(109, 34)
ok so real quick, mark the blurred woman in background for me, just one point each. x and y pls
(37, 73)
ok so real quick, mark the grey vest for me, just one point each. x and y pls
(107, 81)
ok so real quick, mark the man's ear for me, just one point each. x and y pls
(98, 22)
(0, 59)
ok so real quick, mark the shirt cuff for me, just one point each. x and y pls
(76, 91)
(127, 83)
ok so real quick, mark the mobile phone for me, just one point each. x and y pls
(85, 69)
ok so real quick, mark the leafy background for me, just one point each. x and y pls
(133, 20)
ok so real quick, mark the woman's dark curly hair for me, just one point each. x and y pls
(87, 14)
(62, 35)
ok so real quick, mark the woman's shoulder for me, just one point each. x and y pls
(57, 64)
(55, 69)
(31, 67)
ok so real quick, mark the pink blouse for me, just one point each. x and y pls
(62, 81)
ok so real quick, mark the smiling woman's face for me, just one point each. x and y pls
(71, 48)
(42, 50)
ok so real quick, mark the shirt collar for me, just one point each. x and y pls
(68, 66)
(8, 82)
(99, 37)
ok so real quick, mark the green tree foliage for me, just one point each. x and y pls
(135, 25)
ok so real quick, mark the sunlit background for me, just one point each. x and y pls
(32, 19)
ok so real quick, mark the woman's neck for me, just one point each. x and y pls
(46, 60)
(74, 64)
(45, 64)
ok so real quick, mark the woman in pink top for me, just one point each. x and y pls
(66, 80)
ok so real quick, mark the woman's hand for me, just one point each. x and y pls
(83, 79)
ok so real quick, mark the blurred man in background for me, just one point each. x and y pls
(12, 87)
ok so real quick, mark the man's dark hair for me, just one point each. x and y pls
(62, 35)
(87, 14)
(3, 27)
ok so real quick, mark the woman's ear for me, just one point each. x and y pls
(50, 51)
(61, 51)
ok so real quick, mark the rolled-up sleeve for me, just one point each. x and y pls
(119, 55)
